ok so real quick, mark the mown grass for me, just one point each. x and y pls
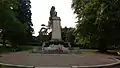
(88, 50)
(114, 50)
(6, 49)
(94, 50)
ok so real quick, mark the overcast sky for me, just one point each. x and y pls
(41, 8)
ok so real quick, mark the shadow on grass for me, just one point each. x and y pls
(6, 49)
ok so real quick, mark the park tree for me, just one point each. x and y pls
(43, 34)
(98, 22)
(11, 27)
(63, 33)
(68, 35)
(24, 16)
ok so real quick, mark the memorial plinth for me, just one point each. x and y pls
(56, 44)
(56, 28)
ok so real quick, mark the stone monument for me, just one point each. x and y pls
(55, 25)
(56, 42)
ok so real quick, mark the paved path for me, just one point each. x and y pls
(53, 60)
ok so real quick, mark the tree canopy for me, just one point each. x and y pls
(98, 22)
(24, 16)
(12, 29)
(68, 35)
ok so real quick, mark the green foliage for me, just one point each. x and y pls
(68, 35)
(16, 33)
(98, 22)
(44, 35)
(12, 29)
(24, 16)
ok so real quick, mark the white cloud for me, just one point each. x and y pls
(41, 8)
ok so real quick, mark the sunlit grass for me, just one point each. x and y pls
(113, 50)
(88, 50)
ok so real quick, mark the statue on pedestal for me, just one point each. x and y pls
(56, 44)
(53, 13)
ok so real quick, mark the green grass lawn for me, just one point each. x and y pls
(4, 49)
(88, 50)
(94, 50)
(114, 50)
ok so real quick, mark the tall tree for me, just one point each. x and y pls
(24, 15)
(63, 33)
(68, 35)
(12, 29)
(98, 22)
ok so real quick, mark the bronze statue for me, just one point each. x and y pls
(53, 13)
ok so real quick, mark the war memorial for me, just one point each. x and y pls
(57, 54)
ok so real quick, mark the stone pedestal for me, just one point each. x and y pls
(56, 44)
(56, 28)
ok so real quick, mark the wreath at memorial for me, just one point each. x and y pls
(59, 49)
